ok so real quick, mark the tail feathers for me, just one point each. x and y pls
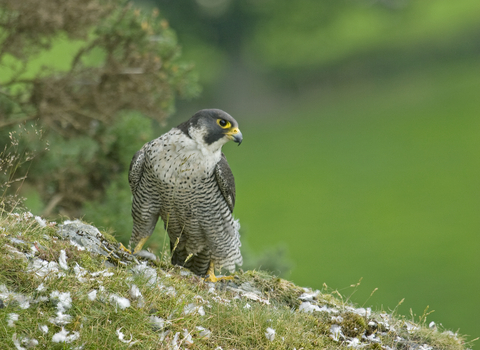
(197, 263)
(200, 262)
(224, 251)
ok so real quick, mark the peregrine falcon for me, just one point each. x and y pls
(184, 178)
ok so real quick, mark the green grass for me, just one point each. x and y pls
(380, 180)
(97, 323)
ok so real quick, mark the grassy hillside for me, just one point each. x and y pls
(56, 294)
(378, 179)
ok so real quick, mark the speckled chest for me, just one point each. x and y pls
(177, 160)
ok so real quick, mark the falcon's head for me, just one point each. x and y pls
(212, 128)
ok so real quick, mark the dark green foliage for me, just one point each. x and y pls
(311, 41)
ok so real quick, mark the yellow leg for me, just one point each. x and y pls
(140, 244)
(211, 275)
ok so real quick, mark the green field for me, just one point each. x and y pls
(379, 180)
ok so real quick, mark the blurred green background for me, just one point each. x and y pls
(361, 122)
(361, 152)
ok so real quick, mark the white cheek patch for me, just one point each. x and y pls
(198, 135)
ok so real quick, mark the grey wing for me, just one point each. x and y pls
(136, 170)
(226, 181)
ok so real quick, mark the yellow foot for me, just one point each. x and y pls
(122, 247)
(211, 275)
(213, 278)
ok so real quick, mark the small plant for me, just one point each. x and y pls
(14, 164)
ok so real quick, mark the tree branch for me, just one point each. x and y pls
(16, 121)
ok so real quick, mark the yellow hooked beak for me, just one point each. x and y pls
(235, 135)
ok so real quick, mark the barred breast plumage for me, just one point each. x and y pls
(184, 178)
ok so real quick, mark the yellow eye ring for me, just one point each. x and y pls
(224, 124)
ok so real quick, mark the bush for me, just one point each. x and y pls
(74, 68)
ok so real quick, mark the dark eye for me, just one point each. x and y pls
(223, 123)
